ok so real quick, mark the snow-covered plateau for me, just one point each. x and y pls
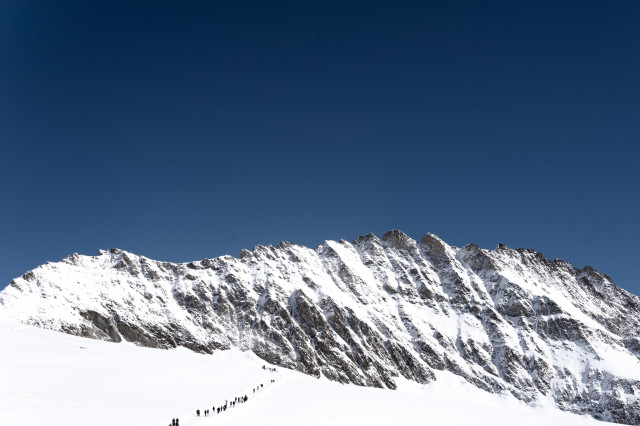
(464, 335)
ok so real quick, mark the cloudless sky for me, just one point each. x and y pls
(185, 130)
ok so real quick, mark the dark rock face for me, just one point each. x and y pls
(100, 327)
(366, 313)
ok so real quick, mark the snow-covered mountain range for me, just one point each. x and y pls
(367, 312)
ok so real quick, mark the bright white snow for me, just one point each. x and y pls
(50, 378)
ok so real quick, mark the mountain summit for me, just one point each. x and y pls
(366, 312)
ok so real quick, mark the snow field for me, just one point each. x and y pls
(50, 378)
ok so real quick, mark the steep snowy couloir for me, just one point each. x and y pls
(366, 312)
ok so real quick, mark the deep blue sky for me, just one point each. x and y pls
(184, 131)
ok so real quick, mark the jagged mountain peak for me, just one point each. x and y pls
(365, 312)
(399, 240)
(433, 244)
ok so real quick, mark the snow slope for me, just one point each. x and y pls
(55, 379)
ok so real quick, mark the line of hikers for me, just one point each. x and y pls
(227, 404)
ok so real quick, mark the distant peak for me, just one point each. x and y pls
(114, 252)
(362, 239)
(285, 245)
(398, 239)
(245, 254)
(472, 248)
(432, 243)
